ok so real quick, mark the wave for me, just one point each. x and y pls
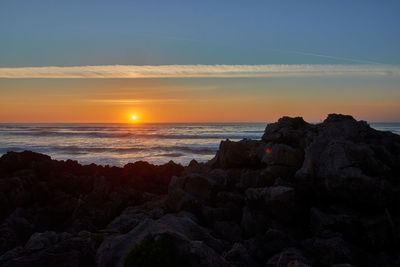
(192, 150)
(129, 135)
(86, 150)
(255, 131)
(171, 155)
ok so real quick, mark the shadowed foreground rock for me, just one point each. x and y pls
(304, 195)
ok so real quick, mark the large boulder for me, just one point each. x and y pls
(350, 162)
(294, 132)
(16, 161)
(16, 229)
(290, 257)
(40, 241)
(329, 251)
(256, 178)
(262, 247)
(228, 230)
(189, 191)
(193, 242)
(243, 154)
(278, 201)
(238, 256)
(132, 216)
(283, 155)
(51, 249)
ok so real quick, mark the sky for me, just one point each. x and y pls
(198, 61)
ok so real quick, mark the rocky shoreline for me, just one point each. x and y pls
(304, 195)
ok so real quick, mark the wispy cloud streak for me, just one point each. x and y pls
(135, 101)
(188, 71)
(334, 57)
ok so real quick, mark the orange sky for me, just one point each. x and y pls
(196, 99)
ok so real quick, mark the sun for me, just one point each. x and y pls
(133, 117)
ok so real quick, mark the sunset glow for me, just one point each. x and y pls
(199, 133)
(182, 67)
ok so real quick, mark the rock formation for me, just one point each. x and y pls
(323, 194)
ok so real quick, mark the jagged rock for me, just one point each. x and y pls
(228, 230)
(329, 251)
(289, 257)
(351, 227)
(264, 246)
(282, 155)
(238, 256)
(64, 252)
(200, 242)
(379, 234)
(16, 229)
(14, 161)
(178, 199)
(194, 167)
(132, 216)
(201, 187)
(114, 248)
(344, 157)
(253, 222)
(189, 191)
(255, 196)
(227, 212)
(15, 192)
(257, 178)
(230, 197)
(13, 253)
(39, 241)
(330, 189)
(279, 201)
(197, 254)
(191, 230)
(67, 196)
(291, 131)
(243, 154)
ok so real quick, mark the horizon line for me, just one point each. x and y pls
(138, 123)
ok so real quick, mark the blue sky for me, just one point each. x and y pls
(70, 33)
(198, 61)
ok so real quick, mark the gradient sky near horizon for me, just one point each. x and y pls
(232, 60)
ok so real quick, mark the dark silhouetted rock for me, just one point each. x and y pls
(287, 258)
(228, 230)
(294, 132)
(246, 153)
(194, 244)
(329, 251)
(283, 155)
(238, 256)
(323, 194)
(262, 247)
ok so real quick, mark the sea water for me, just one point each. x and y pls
(118, 144)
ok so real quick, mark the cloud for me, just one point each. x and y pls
(192, 71)
(134, 101)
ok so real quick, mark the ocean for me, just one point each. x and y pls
(118, 144)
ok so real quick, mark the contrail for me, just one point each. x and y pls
(328, 56)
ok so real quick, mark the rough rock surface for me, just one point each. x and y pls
(324, 194)
(40, 197)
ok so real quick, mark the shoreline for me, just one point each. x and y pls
(119, 146)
